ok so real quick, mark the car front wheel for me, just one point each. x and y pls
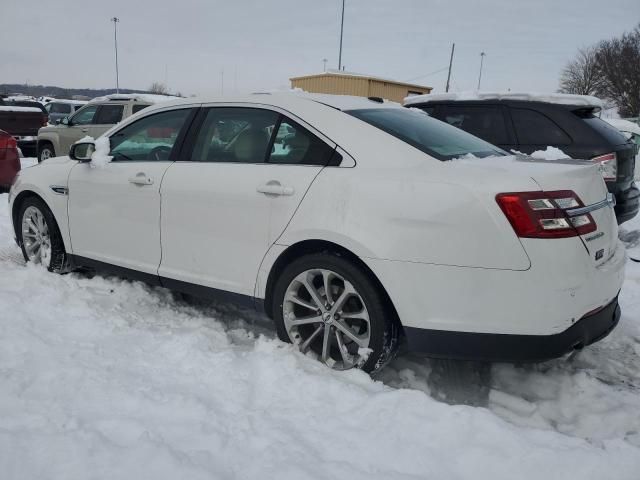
(40, 237)
(329, 308)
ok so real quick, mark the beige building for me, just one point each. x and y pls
(345, 83)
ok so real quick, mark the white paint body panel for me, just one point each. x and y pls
(431, 231)
(216, 227)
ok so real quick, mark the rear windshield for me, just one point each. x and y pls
(433, 137)
(610, 133)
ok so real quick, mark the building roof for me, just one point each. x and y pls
(560, 98)
(345, 74)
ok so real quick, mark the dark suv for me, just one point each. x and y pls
(569, 123)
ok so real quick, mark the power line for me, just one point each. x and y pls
(426, 75)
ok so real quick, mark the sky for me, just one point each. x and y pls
(213, 47)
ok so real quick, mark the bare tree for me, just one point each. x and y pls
(619, 62)
(159, 88)
(582, 75)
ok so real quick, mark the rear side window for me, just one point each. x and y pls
(431, 136)
(610, 133)
(109, 114)
(294, 144)
(534, 128)
(484, 122)
(234, 135)
(137, 108)
(60, 108)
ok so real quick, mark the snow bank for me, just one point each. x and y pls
(561, 98)
(102, 378)
(623, 125)
(8, 108)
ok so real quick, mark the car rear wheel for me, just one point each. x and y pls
(329, 308)
(46, 151)
(40, 237)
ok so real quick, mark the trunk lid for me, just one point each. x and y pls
(583, 178)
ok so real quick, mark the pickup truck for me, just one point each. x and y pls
(22, 120)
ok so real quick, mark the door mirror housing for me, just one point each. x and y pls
(82, 151)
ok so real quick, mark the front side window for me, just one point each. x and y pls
(484, 122)
(85, 115)
(109, 114)
(235, 135)
(431, 136)
(534, 128)
(294, 144)
(151, 138)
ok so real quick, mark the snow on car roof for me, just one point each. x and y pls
(11, 108)
(623, 125)
(141, 97)
(71, 102)
(559, 98)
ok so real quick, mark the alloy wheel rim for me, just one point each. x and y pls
(46, 154)
(325, 315)
(36, 236)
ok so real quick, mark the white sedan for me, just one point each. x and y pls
(357, 225)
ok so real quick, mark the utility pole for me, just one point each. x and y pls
(482, 54)
(115, 21)
(324, 61)
(222, 82)
(453, 47)
(341, 33)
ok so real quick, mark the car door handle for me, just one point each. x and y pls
(85, 130)
(275, 188)
(141, 179)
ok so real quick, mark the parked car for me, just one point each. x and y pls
(360, 232)
(59, 109)
(93, 119)
(22, 119)
(9, 160)
(529, 122)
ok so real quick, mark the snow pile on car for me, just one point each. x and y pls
(560, 98)
(103, 378)
(141, 97)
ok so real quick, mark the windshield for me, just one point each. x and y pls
(433, 137)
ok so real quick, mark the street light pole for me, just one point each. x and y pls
(341, 33)
(482, 54)
(115, 21)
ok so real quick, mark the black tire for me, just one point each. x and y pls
(45, 147)
(58, 262)
(384, 326)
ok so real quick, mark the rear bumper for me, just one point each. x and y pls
(627, 204)
(514, 348)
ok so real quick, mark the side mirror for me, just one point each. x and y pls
(82, 151)
(58, 121)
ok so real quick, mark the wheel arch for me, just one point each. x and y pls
(306, 247)
(17, 205)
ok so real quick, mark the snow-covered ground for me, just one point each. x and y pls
(108, 379)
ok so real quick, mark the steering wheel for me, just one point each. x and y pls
(160, 153)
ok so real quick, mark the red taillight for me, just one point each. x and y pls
(543, 214)
(608, 166)
(7, 141)
(45, 120)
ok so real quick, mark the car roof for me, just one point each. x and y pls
(551, 98)
(290, 98)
